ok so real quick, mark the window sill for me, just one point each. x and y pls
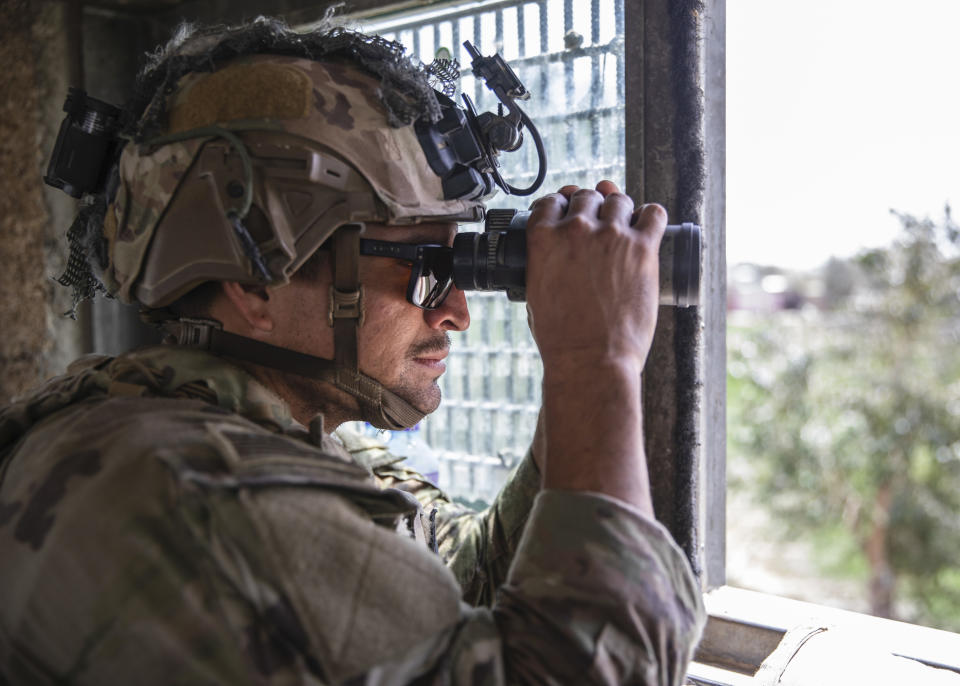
(755, 638)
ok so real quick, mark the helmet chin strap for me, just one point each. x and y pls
(379, 406)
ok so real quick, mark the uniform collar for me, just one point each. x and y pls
(184, 372)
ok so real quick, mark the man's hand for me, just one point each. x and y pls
(592, 293)
(593, 274)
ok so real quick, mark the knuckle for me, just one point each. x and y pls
(609, 230)
(649, 243)
(550, 198)
(587, 193)
(578, 223)
(617, 196)
(652, 221)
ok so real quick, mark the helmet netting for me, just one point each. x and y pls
(406, 85)
(85, 240)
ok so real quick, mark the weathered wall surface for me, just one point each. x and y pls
(31, 341)
(56, 68)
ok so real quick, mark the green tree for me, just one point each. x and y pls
(850, 419)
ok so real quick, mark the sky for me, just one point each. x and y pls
(837, 112)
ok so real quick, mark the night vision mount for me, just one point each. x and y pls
(463, 147)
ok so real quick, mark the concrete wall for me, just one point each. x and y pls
(34, 341)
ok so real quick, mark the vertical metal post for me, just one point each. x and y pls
(568, 86)
(664, 155)
(596, 87)
(544, 45)
(544, 49)
(619, 18)
(714, 301)
(521, 33)
(477, 43)
(457, 48)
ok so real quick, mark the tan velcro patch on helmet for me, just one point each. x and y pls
(242, 92)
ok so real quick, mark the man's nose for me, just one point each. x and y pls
(452, 315)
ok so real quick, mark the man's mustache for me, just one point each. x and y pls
(434, 345)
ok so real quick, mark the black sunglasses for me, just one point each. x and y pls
(431, 269)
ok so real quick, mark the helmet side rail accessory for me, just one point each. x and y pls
(86, 146)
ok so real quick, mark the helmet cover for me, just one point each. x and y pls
(317, 138)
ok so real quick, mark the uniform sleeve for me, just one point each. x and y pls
(478, 547)
(598, 591)
(597, 594)
(186, 565)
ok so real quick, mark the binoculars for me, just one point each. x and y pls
(496, 259)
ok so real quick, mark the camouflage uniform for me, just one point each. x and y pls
(163, 519)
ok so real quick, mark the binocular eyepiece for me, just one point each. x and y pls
(496, 260)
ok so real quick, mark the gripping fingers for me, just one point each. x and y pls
(550, 208)
(605, 188)
(617, 207)
(585, 202)
(650, 220)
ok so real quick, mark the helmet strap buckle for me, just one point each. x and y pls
(190, 332)
(346, 305)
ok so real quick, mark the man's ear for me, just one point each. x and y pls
(251, 304)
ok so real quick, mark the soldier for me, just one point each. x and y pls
(181, 513)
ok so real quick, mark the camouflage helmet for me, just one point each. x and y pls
(261, 161)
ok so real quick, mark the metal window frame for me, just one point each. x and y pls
(675, 156)
(713, 298)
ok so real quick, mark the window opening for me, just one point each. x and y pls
(843, 376)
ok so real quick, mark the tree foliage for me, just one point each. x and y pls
(850, 417)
